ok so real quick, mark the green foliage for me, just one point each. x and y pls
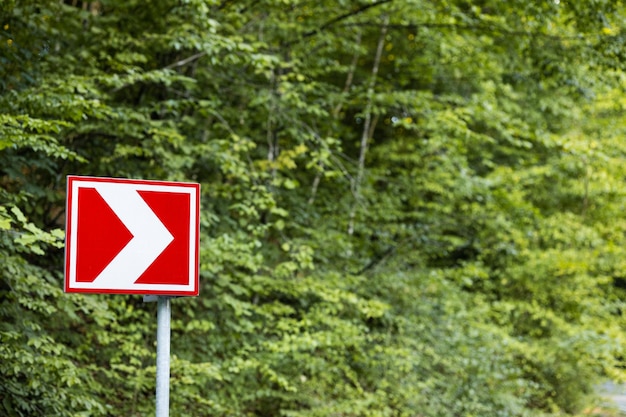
(409, 208)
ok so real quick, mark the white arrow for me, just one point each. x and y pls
(150, 236)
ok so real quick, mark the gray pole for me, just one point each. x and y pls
(164, 315)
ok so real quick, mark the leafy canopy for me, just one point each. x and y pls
(409, 208)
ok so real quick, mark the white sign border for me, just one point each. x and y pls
(76, 182)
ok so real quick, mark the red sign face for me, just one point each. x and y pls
(131, 236)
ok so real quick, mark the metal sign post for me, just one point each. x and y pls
(164, 315)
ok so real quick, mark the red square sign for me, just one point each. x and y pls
(131, 236)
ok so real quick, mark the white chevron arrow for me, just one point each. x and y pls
(150, 236)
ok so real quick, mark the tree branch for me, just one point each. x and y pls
(335, 114)
(186, 60)
(478, 28)
(367, 131)
(377, 260)
(338, 19)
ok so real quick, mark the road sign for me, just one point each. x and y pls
(131, 236)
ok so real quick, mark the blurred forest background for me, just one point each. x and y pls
(409, 208)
